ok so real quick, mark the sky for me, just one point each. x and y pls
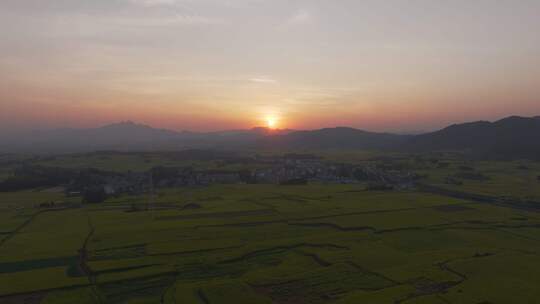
(394, 65)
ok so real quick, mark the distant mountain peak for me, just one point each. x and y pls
(268, 131)
(127, 123)
(510, 137)
(512, 118)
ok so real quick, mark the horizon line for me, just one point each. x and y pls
(143, 124)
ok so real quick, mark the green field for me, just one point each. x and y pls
(270, 244)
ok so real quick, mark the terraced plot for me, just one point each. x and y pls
(270, 244)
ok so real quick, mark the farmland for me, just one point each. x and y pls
(268, 243)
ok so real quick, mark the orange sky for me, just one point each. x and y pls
(397, 65)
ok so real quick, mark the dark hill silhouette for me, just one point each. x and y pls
(128, 136)
(511, 137)
(119, 136)
(335, 138)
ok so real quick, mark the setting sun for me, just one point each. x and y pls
(271, 122)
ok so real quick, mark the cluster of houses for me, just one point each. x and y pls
(293, 170)
(284, 171)
(308, 170)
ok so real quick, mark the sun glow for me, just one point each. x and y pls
(271, 122)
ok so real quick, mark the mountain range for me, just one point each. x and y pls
(511, 137)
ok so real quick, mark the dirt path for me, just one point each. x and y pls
(317, 259)
(518, 204)
(202, 297)
(438, 289)
(208, 250)
(172, 287)
(259, 223)
(83, 255)
(394, 282)
(392, 230)
(231, 214)
(280, 248)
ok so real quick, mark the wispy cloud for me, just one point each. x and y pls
(187, 20)
(176, 20)
(153, 2)
(263, 80)
(170, 13)
(215, 3)
(300, 17)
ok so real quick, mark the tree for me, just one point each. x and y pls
(247, 177)
(294, 182)
(94, 195)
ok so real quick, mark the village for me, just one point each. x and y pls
(281, 171)
(96, 185)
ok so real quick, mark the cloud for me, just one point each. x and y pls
(300, 17)
(174, 20)
(263, 80)
(153, 2)
(171, 12)
(187, 20)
